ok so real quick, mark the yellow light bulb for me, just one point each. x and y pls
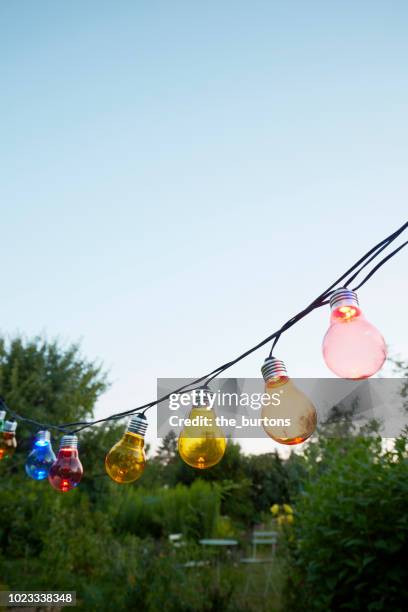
(126, 461)
(202, 442)
(289, 417)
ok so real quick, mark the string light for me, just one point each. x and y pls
(349, 335)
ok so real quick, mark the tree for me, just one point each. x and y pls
(167, 451)
(52, 384)
(48, 382)
(348, 544)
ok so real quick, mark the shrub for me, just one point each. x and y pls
(193, 511)
(348, 547)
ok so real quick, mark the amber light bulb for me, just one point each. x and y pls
(202, 442)
(352, 347)
(289, 417)
(66, 473)
(8, 442)
(126, 461)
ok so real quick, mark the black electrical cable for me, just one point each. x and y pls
(318, 302)
(387, 243)
(18, 417)
(378, 266)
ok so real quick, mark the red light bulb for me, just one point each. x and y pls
(352, 347)
(66, 472)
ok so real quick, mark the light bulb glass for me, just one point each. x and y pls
(8, 442)
(202, 442)
(126, 461)
(289, 417)
(66, 472)
(41, 458)
(352, 347)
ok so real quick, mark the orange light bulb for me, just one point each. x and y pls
(289, 417)
(8, 442)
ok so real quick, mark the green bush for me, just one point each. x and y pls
(193, 511)
(348, 548)
(73, 547)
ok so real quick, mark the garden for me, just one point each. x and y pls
(333, 515)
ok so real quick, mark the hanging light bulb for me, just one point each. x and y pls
(126, 461)
(352, 347)
(8, 442)
(202, 443)
(2, 419)
(66, 472)
(289, 417)
(41, 457)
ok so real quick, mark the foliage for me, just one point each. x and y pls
(249, 484)
(192, 511)
(350, 548)
(345, 548)
(78, 551)
(47, 381)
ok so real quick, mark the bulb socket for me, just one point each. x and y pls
(43, 436)
(10, 426)
(343, 297)
(137, 424)
(69, 442)
(2, 415)
(273, 368)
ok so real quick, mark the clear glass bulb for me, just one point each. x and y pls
(126, 461)
(352, 347)
(41, 458)
(66, 472)
(289, 417)
(8, 442)
(202, 442)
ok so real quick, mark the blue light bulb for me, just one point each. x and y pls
(41, 457)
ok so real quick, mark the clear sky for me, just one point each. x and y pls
(179, 178)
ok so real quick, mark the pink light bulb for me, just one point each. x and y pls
(66, 472)
(352, 347)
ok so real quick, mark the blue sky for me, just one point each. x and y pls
(180, 178)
